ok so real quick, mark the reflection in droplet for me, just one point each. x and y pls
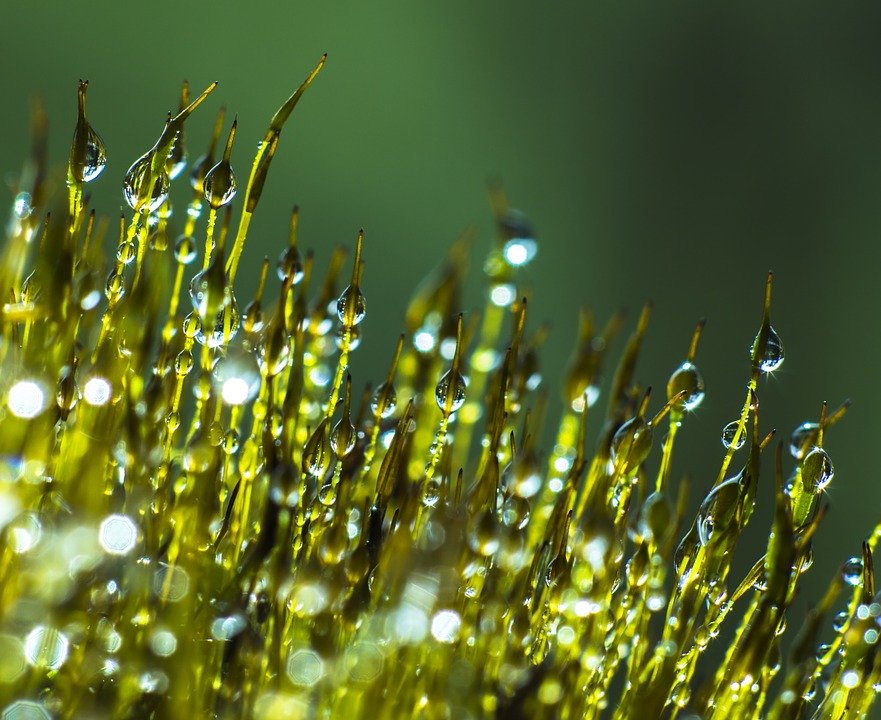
(728, 434)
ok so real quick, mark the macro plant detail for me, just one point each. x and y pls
(202, 515)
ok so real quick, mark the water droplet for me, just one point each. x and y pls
(208, 291)
(631, 445)
(718, 510)
(237, 377)
(290, 265)
(816, 471)
(46, 647)
(22, 206)
(515, 512)
(840, 621)
(220, 185)
(143, 192)
(728, 433)
(183, 363)
(450, 392)
(342, 437)
(351, 306)
(115, 287)
(772, 358)
(686, 378)
(126, 252)
(226, 325)
(852, 571)
(384, 400)
(316, 453)
(803, 438)
(185, 249)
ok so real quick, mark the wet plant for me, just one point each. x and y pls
(202, 515)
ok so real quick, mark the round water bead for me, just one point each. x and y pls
(852, 571)
(226, 326)
(290, 266)
(384, 400)
(351, 306)
(772, 358)
(220, 185)
(718, 509)
(142, 191)
(803, 438)
(21, 205)
(686, 378)
(728, 434)
(450, 391)
(816, 470)
(185, 250)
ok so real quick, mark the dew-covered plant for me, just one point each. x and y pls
(202, 516)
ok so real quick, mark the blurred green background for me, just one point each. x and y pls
(671, 151)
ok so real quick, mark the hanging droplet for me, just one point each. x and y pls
(126, 252)
(21, 205)
(343, 435)
(220, 182)
(143, 192)
(852, 571)
(728, 434)
(87, 153)
(208, 290)
(772, 358)
(450, 392)
(220, 185)
(816, 471)
(384, 400)
(185, 249)
(316, 453)
(686, 378)
(351, 306)
(718, 509)
(226, 325)
(275, 351)
(631, 445)
(290, 265)
(803, 438)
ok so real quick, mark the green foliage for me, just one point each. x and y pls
(200, 518)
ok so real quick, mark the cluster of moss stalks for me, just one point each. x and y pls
(201, 517)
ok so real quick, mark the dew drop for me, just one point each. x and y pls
(384, 400)
(21, 205)
(185, 249)
(803, 438)
(143, 192)
(220, 185)
(450, 392)
(226, 325)
(852, 571)
(316, 453)
(686, 378)
(816, 471)
(208, 291)
(772, 358)
(728, 434)
(718, 509)
(290, 266)
(351, 306)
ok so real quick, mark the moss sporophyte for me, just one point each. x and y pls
(203, 517)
